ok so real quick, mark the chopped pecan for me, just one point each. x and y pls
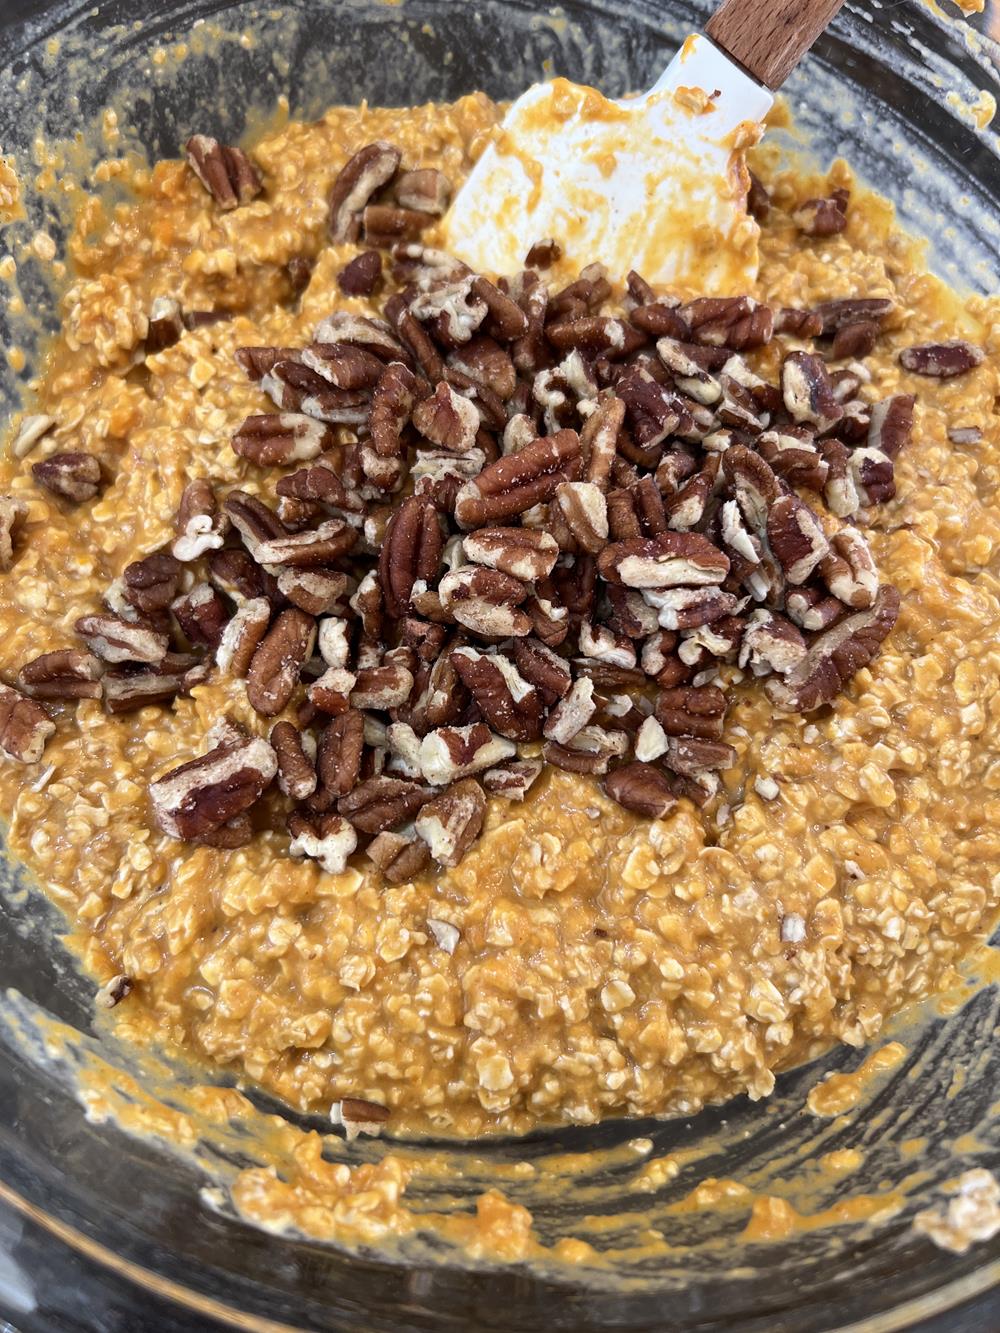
(793, 454)
(594, 335)
(425, 190)
(592, 750)
(631, 615)
(359, 1117)
(485, 601)
(317, 591)
(296, 764)
(512, 780)
(651, 741)
(25, 727)
(692, 756)
(382, 687)
(202, 615)
(256, 362)
(584, 510)
(691, 711)
(758, 199)
(686, 508)
(836, 655)
(199, 525)
(242, 634)
(799, 323)
(891, 424)
(771, 643)
(738, 322)
(129, 688)
(343, 366)
(654, 410)
(361, 277)
(450, 753)
(386, 224)
(518, 481)
(324, 837)
(599, 440)
(836, 315)
(822, 217)
(839, 490)
(486, 363)
(13, 512)
(813, 609)
(115, 640)
(572, 713)
(277, 661)
(687, 608)
(382, 803)
(451, 822)
(360, 177)
(524, 553)
(672, 559)
(660, 320)
(299, 271)
(72, 476)
(641, 788)
(111, 994)
(447, 419)
(315, 546)
(601, 643)
(253, 520)
(201, 796)
(400, 856)
(339, 755)
(166, 324)
(942, 360)
(64, 674)
(808, 392)
(796, 537)
(874, 476)
(411, 551)
(853, 342)
(294, 387)
(849, 570)
(331, 692)
(276, 438)
(510, 705)
(321, 484)
(226, 173)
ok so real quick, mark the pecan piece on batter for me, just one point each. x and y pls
(518, 481)
(361, 176)
(150, 585)
(129, 688)
(512, 780)
(13, 512)
(692, 711)
(32, 429)
(642, 788)
(874, 476)
(673, 559)
(510, 705)
(808, 391)
(849, 570)
(359, 1117)
(425, 189)
(891, 425)
(592, 750)
(63, 674)
(202, 615)
(72, 476)
(242, 635)
(383, 802)
(315, 546)
(450, 753)
(326, 837)
(25, 726)
(362, 275)
(226, 173)
(277, 661)
(835, 656)
(201, 796)
(411, 551)
(823, 217)
(275, 438)
(942, 360)
(572, 713)
(451, 822)
(813, 609)
(115, 640)
(399, 856)
(295, 753)
(771, 643)
(199, 526)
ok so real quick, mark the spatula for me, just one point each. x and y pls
(654, 183)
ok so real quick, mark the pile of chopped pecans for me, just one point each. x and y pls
(512, 518)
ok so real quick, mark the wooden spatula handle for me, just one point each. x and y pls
(769, 37)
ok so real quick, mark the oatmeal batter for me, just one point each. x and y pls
(604, 963)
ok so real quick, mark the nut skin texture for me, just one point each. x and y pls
(451, 823)
(226, 173)
(277, 661)
(75, 477)
(410, 551)
(201, 796)
(642, 788)
(361, 176)
(25, 726)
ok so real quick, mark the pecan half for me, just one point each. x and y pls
(64, 674)
(812, 609)
(343, 366)
(296, 766)
(361, 277)
(339, 754)
(25, 727)
(115, 640)
(691, 711)
(849, 570)
(321, 484)
(485, 362)
(854, 342)
(796, 537)
(738, 322)
(327, 838)
(315, 546)
(754, 484)
(382, 803)
(510, 705)
(505, 320)
(13, 512)
(199, 525)
(450, 823)
(594, 335)
(360, 177)
(518, 481)
(385, 224)
(688, 608)
(513, 780)
(485, 601)
(226, 173)
(277, 661)
(584, 510)
(771, 643)
(382, 687)
(891, 425)
(317, 591)
(673, 559)
(242, 635)
(837, 315)
(253, 520)
(654, 410)
(399, 856)
(692, 756)
(641, 788)
(72, 476)
(201, 796)
(808, 391)
(426, 190)
(276, 438)
(836, 655)
(411, 551)
(447, 419)
(941, 360)
(524, 553)
(128, 688)
(202, 615)
(331, 692)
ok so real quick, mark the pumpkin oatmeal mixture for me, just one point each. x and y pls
(484, 700)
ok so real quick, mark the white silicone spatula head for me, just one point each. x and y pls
(653, 183)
